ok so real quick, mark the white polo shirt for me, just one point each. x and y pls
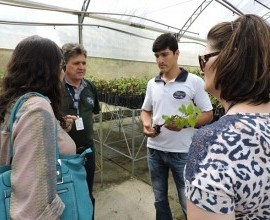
(165, 99)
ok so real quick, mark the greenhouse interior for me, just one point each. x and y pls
(118, 36)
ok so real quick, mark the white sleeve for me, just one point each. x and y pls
(147, 103)
(201, 97)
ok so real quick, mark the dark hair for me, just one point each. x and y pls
(165, 41)
(243, 65)
(34, 67)
(73, 49)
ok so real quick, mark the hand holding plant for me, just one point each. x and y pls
(190, 118)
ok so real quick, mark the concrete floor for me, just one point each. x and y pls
(121, 196)
(132, 199)
(122, 189)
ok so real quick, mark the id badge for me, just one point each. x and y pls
(79, 124)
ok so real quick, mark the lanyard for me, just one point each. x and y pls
(75, 99)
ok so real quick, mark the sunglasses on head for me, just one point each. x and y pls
(204, 59)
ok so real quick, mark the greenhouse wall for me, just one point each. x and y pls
(105, 68)
(4, 58)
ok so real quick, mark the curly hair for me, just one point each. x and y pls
(33, 67)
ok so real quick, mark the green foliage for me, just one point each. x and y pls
(196, 71)
(121, 86)
(215, 102)
(136, 86)
(190, 112)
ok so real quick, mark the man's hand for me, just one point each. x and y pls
(69, 119)
(172, 126)
(149, 131)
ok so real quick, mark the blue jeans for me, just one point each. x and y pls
(159, 163)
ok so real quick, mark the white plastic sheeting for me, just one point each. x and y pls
(114, 36)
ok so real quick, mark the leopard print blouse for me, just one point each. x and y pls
(228, 168)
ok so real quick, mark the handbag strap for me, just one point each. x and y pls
(12, 118)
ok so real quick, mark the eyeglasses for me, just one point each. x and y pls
(204, 59)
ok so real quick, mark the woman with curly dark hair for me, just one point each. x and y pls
(35, 66)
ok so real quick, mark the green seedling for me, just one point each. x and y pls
(190, 112)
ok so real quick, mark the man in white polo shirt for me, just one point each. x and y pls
(168, 149)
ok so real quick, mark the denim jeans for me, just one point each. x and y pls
(159, 163)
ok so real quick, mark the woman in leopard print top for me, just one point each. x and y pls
(228, 169)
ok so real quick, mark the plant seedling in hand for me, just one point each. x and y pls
(190, 112)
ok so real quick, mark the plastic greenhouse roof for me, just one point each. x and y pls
(122, 29)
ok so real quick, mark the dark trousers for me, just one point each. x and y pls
(90, 166)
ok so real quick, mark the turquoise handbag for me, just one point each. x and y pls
(71, 179)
